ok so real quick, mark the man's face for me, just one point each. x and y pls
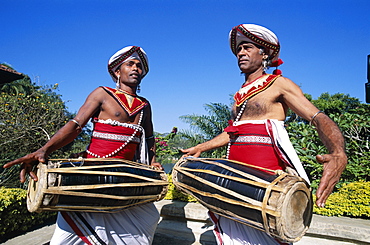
(249, 57)
(130, 72)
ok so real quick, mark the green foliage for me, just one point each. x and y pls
(166, 151)
(352, 200)
(29, 116)
(307, 144)
(206, 127)
(14, 215)
(352, 117)
(356, 130)
(337, 103)
(209, 125)
(174, 194)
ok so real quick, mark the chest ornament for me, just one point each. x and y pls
(250, 89)
(131, 103)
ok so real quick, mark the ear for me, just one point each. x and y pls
(117, 72)
(265, 57)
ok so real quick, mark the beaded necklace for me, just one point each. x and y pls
(124, 144)
(236, 120)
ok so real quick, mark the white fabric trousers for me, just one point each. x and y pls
(134, 226)
(230, 232)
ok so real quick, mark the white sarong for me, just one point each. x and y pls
(230, 232)
(134, 226)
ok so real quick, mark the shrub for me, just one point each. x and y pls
(351, 200)
(174, 194)
(14, 215)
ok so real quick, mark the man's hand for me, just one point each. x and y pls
(157, 165)
(192, 151)
(27, 163)
(333, 165)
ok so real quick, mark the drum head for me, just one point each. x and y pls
(35, 188)
(297, 210)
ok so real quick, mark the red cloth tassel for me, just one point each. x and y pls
(276, 63)
(277, 72)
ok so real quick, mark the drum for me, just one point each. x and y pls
(94, 185)
(275, 202)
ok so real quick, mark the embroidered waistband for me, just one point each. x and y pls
(117, 137)
(252, 122)
(252, 139)
(116, 123)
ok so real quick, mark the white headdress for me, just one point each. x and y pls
(126, 54)
(258, 35)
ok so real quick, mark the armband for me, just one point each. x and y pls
(77, 123)
(314, 116)
(150, 137)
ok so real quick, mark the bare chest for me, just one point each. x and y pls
(259, 108)
(251, 109)
(112, 110)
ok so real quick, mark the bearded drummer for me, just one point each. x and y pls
(122, 129)
(257, 135)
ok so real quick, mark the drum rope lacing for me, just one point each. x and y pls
(236, 120)
(124, 144)
(82, 162)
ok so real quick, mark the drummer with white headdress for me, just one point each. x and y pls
(122, 129)
(257, 135)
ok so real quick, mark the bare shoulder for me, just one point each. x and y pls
(286, 84)
(97, 95)
(148, 110)
(95, 99)
(294, 98)
(98, 91)
(93, 103)
(287, 88)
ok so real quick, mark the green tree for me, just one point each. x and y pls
(166, 150)
(206, 127)
(29, 116)
(352, 118)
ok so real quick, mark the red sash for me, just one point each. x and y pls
(110, 138)
(251, 144)
(249, 90)
(131, 104)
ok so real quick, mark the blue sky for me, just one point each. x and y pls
(324, 46)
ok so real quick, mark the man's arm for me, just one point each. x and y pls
(218, 141)
(333, 163)
(149, 134)
(64, 136)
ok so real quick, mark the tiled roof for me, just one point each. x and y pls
(8, 75)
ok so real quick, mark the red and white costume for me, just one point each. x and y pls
(263, 143)
(112, 139)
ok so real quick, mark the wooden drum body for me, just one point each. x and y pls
(272, 201)
(94, 185)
